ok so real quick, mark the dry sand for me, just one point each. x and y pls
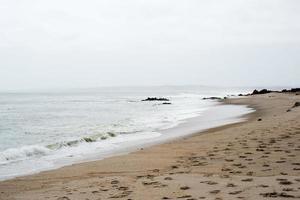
(257, 159)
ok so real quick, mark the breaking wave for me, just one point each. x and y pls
(25, 152)
(17, 154)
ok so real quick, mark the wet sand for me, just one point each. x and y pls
(256, 159)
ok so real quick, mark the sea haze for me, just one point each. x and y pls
(46, 130)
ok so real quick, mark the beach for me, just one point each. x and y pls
(255, 159)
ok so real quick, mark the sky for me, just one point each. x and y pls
(94, 43)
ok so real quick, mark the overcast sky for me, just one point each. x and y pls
(92, 43)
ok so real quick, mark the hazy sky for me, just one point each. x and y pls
(92, 43)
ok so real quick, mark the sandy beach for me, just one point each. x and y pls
(256, 159)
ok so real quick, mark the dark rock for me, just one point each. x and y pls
(255, 92)
(156, 99)
(296, 104)
(240, 95)
(259, 119)
(211, 98)
(266, 91)
(166, 103)
(293, 90)
(263, 91)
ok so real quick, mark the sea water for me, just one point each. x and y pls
(44, 130)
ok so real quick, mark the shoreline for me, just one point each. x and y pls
(211, 160)
(219, 114)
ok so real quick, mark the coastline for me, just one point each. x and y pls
(216, 115)
(210, 160)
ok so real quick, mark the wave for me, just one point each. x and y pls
(26, 152)
(88, 139)
(17, 154)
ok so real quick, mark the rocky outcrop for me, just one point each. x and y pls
(293, 90)
(156, 99)
(297, 104)
(211, 98)
(263, 91)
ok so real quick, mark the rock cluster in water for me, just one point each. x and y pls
(156, 99)
(211, 98)
(165, 101)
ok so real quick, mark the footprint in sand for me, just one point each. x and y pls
(235, 172)
(235, 192)
(63, 198)
(209, 182)
(288, 189)
(247, 180)
(230, 185)
(215, 191)
(276, 194)
(123, 188)
(263, 186)
(121, 195)
(285, 182)
(185, 188)
(184, 196)
(250, 173)
(226, 169)
(114, 182)
(283, 173)
(150, 183)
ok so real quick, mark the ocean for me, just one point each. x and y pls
(45, 130)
